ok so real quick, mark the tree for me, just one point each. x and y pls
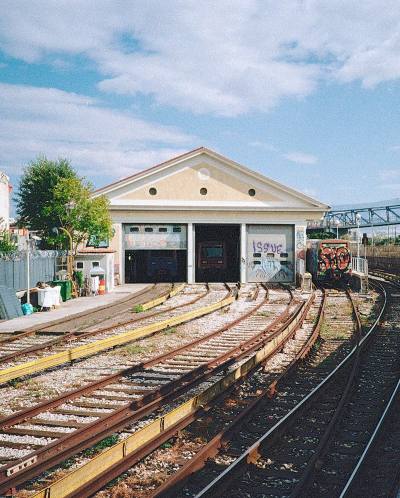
(52, 195)
(35, 195)
(79, 214)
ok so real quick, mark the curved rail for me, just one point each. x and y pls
(79, 335)
(100, 345)
(85, 436)
(211, 448)
(369, 447)
(220, 482)
(133, 448)
(130, 301)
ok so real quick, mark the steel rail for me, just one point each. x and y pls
(33, 330)
(350, 482)
(271, 345)
(92, 386)
(373, 439)
(59, 450)
(101, 345)
(78, 335)
(212, 488)
(210, 450)
(316, 458)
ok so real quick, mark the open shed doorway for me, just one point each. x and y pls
(217, 253)
(155, 266)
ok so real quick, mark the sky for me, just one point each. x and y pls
(306, 92)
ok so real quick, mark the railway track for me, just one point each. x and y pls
(84, 481)
(316, 443)
(31, 344)
(88, 345)
(41, 436)
(96, 315)
(280, 377)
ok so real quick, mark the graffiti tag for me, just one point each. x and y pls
(260, 246)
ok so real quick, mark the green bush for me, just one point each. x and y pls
(6, 243)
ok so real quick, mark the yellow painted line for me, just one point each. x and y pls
(67, 485)
(155, 302)
(103, 344)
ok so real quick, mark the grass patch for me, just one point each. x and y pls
(14, 383)
(101, 445)
(333, 332)
(39, 391)
(167, 444)
(316, 346)
(133, 349)
(170, 331)
(138, 308)
(264, 313)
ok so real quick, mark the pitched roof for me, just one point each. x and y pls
(204, 150)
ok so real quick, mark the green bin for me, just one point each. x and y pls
(66, 288)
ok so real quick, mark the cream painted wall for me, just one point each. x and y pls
(186, 184)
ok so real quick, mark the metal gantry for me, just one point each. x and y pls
(360, 217)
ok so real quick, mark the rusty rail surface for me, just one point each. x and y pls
(78, 335)
(80, 439)
(92, 476)
(223, 480)
(18, 334)
(210, 450)
(101, 345)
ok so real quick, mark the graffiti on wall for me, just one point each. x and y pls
(271, 271)
(270, 254)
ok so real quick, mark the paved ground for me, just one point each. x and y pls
(69, 308)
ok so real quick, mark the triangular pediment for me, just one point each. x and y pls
(203, 178)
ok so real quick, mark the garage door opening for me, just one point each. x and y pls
(155, 266)
(217, 253)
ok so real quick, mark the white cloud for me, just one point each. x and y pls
(224, 58)
(98, 140)
(301, 158)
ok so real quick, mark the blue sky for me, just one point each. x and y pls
(305, 92)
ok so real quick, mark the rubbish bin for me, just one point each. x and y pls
(66, 288)
(97, 271)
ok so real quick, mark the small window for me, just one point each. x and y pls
(284, 263)
(284, 254)
(257, 255)
(163, 229)
(79, 265)
(252, 192)
(95, 264)
(133, 229)
(256, 262)
(270, 255)
(177, 229)
(153, 191)
(148, 229)
(203, 191)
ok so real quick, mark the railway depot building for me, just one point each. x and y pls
(201, 217)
